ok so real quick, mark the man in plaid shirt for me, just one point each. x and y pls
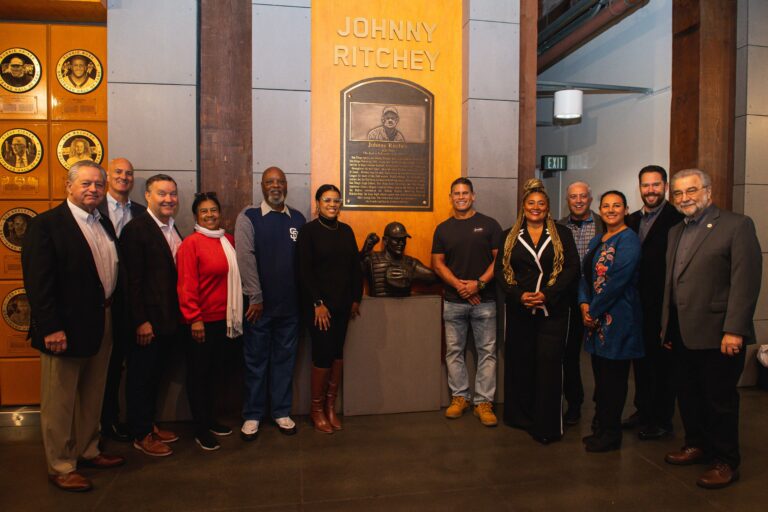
(584, 224)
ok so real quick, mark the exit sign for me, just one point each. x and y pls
(554, 162)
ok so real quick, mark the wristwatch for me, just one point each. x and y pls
(318, 303)
(481, 284)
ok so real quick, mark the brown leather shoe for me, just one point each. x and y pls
(165, 436)
(151, 445)
(72, 482)
(102, 461)
(718, 476)
(686, 456)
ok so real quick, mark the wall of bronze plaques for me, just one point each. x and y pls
(53, 112)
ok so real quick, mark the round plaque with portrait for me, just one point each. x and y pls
(16, 309)
(79, 71)
(20, 70)
(20, 150)
(15, 223)
(79, 145)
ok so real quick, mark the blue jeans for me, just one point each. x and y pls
(458, 317)
(269, 347)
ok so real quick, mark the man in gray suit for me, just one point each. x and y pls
(712, 285)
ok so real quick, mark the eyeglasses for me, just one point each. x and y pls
(328, 200)
(690, 192)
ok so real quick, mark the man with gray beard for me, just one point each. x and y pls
(265, 242)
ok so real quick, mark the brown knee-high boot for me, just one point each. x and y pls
(333, 391)
(318, 382)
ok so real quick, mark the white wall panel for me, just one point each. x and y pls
(492, 138)
(154, 126)
(281, 130)
(152, 41)
(494, 60)
(756, 207)
(299, 195)
(497, 198)
(187, 186)
(281, 47)
(495, 10)
(757, 77)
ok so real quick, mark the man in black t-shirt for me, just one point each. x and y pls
(463, 252)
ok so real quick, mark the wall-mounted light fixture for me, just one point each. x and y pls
(568, 104)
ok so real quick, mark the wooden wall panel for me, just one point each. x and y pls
(32, 104)
(526, 155)
(19, 381)
(63, 137)
(32, 184)
(14, 218)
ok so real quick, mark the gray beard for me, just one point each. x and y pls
(275, 202)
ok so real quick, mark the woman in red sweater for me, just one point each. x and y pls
(210, 298)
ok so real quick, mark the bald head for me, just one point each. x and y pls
(579, 198)
(274, 186)
(120, 179)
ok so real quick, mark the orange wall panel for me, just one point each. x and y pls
(69, 100)
(19, 381)
(14, 219)
(32, 104)
(333, 25)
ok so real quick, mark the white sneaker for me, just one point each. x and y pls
(286, 425)
(249, 430)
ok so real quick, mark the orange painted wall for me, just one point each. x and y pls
(445, 82)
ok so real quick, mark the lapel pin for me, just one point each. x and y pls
(709, 225)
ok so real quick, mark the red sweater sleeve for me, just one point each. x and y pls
(188, 285)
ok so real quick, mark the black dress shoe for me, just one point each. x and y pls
(545, 439)
(654, 433)
(117, 432)
(606, 442)
(572, 415)
(633, 421)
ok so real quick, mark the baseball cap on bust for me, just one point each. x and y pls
(396, 230)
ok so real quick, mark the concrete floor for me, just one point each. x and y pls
(394, 462)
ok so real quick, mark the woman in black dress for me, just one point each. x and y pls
(538, 268)
(332, 287)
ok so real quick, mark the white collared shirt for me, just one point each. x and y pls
(119, 214)
(265, 209)
(170, 234)
(102, 246)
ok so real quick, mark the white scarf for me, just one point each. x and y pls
(234, 286)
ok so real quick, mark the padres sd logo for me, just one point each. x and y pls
(16, 309)
(20, 150)
(79, 71)
(19, 70)
(14, 227)
(79, 145)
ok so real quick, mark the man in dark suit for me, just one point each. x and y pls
(654, 392)
(149, 243)
(118, 208)
(711, 289)
(584, 224)
(70, 265)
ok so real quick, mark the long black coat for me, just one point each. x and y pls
(653, 267)
(62, 283)
(151, 276)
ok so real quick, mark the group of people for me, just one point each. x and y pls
(113, 285)
(670, 289)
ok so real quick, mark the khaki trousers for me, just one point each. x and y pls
(71, 393)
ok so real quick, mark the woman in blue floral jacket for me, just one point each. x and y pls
(610, 309)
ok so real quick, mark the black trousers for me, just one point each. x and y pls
(573, 389)
(329, 345)
(611, 383)
(533, 358)
(708, 397)
(654, 384)
(146, 366)
(207, 363)
(121, 336)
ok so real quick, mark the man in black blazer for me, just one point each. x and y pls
(149, 244)
(118, 208)
(71, 265)
(654, 392)
(711, 288)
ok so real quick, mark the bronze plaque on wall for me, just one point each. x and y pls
(387, 145)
